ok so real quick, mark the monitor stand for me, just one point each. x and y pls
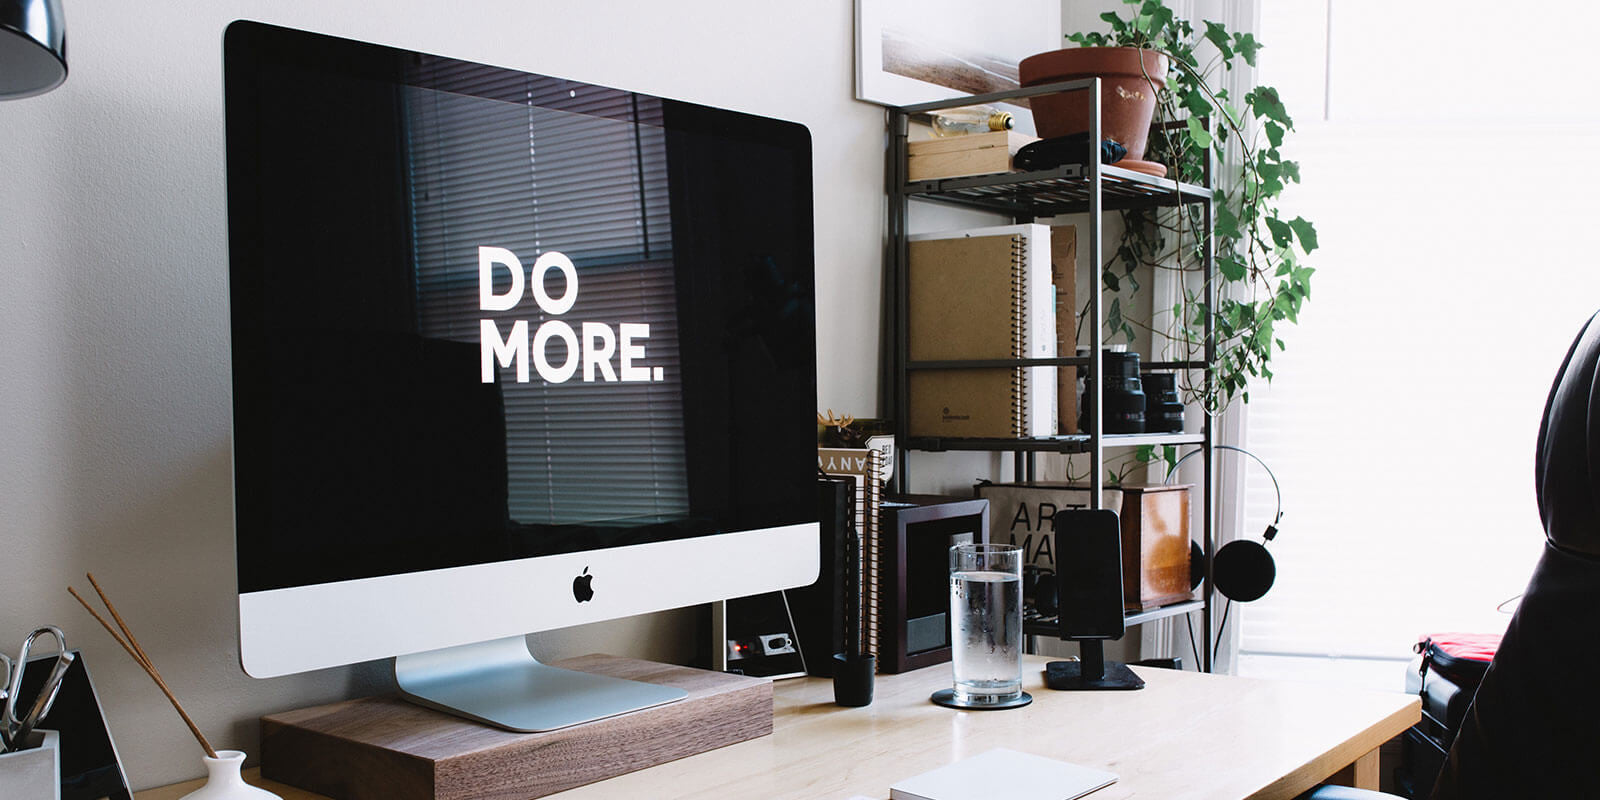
(500, 683)
(1092, 671)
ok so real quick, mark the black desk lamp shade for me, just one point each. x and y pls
(33, 47)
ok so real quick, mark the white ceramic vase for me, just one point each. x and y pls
(223, 781)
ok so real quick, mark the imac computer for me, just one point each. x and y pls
(511, 352)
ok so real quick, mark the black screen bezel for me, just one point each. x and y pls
(253, 51)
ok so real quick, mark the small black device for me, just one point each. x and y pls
(1089, 584)
(1124, 394)
(759, 638)
(90, 768)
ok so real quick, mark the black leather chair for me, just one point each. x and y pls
(1533, 729)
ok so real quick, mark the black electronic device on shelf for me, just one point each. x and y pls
(1089, 587)
(759, 637)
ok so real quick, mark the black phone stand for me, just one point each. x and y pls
(1093, 672)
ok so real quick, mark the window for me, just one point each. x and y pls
(1452, 198)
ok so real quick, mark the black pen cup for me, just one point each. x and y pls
(852, 679)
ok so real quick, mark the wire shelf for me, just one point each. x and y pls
(1065, 189)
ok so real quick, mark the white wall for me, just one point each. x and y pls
(114, 376)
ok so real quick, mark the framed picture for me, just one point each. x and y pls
(914, 51)
(914, 576)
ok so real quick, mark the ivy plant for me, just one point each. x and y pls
(1260, 254)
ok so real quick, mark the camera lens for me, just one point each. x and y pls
(1124, 394)
(1163, 409)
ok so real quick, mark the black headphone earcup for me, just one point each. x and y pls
(1197, 565)
(1243, 570)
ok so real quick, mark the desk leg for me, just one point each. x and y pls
(1361, 774)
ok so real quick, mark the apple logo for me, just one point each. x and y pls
(581, 590)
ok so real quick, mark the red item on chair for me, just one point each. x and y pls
(1460, 657)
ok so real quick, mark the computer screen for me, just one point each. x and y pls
(501, 340)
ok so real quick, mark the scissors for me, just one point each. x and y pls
(14, 730)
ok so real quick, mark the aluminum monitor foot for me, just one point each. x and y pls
(500, 683)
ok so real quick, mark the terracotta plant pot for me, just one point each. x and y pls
(1127, 101)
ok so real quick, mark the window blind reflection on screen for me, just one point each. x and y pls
(588, 180)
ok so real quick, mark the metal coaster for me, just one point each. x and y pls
(947, 698)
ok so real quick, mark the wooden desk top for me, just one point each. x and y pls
(1185, 735)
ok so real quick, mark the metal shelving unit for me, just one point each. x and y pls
(1093, 188)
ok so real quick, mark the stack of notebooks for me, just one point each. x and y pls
(989, 294)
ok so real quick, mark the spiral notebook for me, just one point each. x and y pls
(983, 293)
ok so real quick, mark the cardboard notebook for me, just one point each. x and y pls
(984, 293)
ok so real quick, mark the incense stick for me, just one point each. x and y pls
(131, 645)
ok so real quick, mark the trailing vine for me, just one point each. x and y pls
(1259, 253)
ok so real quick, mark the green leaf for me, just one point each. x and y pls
(1264, 101)
(1218, 35)
(1196, 103)
(1270, 184)
(1226, 223)
(1291, 171)
(1110, 280)
(1306, 232)
(1284, 306)
(1274, 133)
(1246, 45)
(1263, 337)
(1234, 115)
(1198, 133)
(1231, 266)
(1160, 17)
(1282, 234)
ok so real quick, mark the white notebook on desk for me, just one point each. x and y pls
(1002, 773)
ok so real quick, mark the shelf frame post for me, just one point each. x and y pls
(1210, 294)
(1096, 376)
(899, 257)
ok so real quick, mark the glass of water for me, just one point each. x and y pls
(985, 627)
